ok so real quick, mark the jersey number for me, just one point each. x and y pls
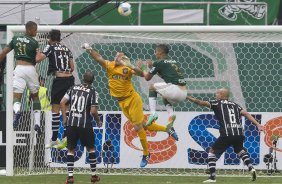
(231, 113)
(22, 48)
(78, 103)
(64, 57)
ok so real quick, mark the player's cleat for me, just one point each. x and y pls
(170, 123)
(37, 129)
(16, 121)
(63, 144)
(151, 119)
(172, 133)
(69, 180)
(210, 180)
(145, 159)
(95, 178)
(169, 127)
(253, 174)
(53, 144)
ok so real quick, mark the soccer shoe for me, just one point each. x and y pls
(144, 161)
(16, 121)
(151, 119)
(63, 144)
(37, 129)
(253, 174)
(95, 178)
(169, 128)
(210, 181)
(69, 180)
(53, 144)
(171, 120)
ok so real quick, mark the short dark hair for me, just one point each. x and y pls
(30, 24)
(88, 77)
(55, 35)
(164, 48)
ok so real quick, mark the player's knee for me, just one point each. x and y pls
(138, 127)
(211, 150)
(151, 87)
(90, 149)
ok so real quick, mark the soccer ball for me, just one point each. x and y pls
(124, 9)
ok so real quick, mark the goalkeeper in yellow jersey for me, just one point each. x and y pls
(130, 102)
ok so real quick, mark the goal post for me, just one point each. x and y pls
(211, 57)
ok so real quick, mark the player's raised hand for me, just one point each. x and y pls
(126, 62)
(149, 63)
(86, 46)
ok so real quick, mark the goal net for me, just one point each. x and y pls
(247, 60)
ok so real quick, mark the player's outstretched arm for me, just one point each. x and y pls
(4, 52)
(94, 113)
(252, 119)
(198, 102)
(39, 56)
(94, 54)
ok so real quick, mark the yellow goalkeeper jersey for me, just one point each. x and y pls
(119, 80)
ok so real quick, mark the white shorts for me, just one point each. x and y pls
(25, 75)
(171, 92)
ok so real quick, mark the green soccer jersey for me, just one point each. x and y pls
(24, 47)
(169, 71)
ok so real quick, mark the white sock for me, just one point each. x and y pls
(37, 117)
(169, 109)
(152, 104)
(17, 107)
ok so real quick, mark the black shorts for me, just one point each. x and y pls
(222, 143)
(86, 136)
(60, 87)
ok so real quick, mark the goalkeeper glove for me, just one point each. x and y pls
(126, 61)
(86, 46)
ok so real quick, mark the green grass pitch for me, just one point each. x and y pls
(130, 179)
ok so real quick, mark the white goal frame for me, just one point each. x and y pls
(10, 134)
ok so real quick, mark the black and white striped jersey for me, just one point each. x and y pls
(81, 99)
(59, 57)
(228, 115)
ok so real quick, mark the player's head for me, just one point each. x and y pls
(88, 77)
(222, 94)
(31, 28)
(161, 51)
(55, 35)
(118, 57)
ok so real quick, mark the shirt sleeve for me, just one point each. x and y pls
(11, 44)
(47, 50)
(70, 55)
(94, 98)
(213, 103)
(239, 108)
(154, 70)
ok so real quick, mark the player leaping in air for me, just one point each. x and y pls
(130, 102)
(25, 47)
(61, 66)
(172, 90)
